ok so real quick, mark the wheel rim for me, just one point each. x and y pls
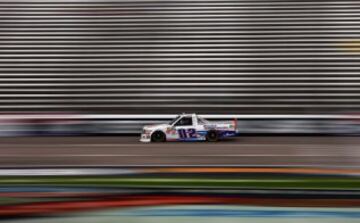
(212, 136)
(158, 137)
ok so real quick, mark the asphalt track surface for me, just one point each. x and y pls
(342, 152)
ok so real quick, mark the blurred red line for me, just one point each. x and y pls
(61, 207)
(48, 208)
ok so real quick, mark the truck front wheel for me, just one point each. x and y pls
(158, 136)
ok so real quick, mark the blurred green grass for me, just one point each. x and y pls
(325, 183)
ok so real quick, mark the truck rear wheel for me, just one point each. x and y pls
(212, 136)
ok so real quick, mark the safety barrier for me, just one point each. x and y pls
(75, 124)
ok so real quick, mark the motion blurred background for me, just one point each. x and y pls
(81, 68)
(267, 58)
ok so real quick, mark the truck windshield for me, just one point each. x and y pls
(174, 120)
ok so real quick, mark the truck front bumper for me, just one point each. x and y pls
(145, 138)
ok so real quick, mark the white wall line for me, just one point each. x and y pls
(170, 116)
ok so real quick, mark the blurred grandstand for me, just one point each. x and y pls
(267, 58)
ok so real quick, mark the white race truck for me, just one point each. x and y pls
(189, 127)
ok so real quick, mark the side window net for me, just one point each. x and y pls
(184, 121)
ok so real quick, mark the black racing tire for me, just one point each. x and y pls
(212, 136)
(158, 136)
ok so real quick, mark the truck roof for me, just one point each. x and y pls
(187, 114)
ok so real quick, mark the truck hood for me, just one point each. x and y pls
(154, 127)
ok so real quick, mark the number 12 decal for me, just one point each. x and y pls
(183, 133)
